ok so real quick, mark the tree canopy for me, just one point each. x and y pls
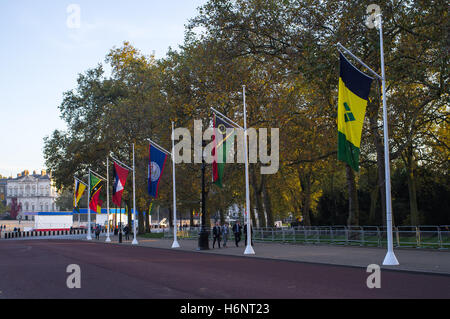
(285, 53)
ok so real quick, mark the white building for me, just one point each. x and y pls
(34, 193)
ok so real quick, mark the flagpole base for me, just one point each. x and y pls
(88, 238)
(134, 242)
(175, 244)
(108, 240)
(249, 250)
(390, 259)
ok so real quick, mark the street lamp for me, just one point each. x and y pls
(203, 240)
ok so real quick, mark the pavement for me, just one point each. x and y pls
(417, 260)
(37, 269)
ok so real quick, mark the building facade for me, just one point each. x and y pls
(34, 193)
(3, 190)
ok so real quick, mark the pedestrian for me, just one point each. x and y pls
(216, 234)
(127, 232)
(225, 232)
(97, 232)
(251, 234)
(237, 228)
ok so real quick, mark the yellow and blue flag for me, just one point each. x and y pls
(354, 88)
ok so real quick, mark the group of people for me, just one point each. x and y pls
(126, 231)
(3, 228)
(221, 233)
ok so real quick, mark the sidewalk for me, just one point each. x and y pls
(430, 261)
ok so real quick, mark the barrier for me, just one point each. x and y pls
(436, 237)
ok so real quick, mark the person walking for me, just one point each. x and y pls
(97, 232)
(237, 229)
(225, 232)
(216, 234)
(127, 232)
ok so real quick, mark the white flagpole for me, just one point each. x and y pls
(249, 249)
(390, 258)
(107, 199)
(135, 242)
(89, 237)
(175, 241)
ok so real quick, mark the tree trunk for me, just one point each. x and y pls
(170, 216)
(127, 207)
(268, 218)
(258, 197)
(148, 225)
(191, 217)
(410, 169)
(373, 205)
(305, 182)
(141, 226)
(353, 207)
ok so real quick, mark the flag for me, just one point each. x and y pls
(78, 191)
(96, 186)
(354, 88)
(120, 178)
(223, 141)
(157, 161)
(99, 206)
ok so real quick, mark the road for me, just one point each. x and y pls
(37, 269)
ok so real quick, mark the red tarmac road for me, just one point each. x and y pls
(37, 269)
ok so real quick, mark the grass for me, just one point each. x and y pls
(152, 235)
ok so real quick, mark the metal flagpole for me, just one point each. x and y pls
(249, 249)
(135, 242)
(107, 199)
(175, 242)
(89, 237)
(390, 258)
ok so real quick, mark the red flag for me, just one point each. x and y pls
(120, 178)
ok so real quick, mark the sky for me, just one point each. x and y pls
(46, 44)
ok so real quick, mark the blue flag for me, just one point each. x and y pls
(157, 161)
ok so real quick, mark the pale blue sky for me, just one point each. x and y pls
(41, 57)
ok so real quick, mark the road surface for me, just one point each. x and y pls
(37, 269)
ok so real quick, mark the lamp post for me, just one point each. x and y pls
(203, 240)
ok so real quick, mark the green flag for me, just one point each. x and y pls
(95, 187)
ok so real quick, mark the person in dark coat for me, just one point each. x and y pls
(237, 229)
(127, 232)
(97, 232)
(217, 232)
